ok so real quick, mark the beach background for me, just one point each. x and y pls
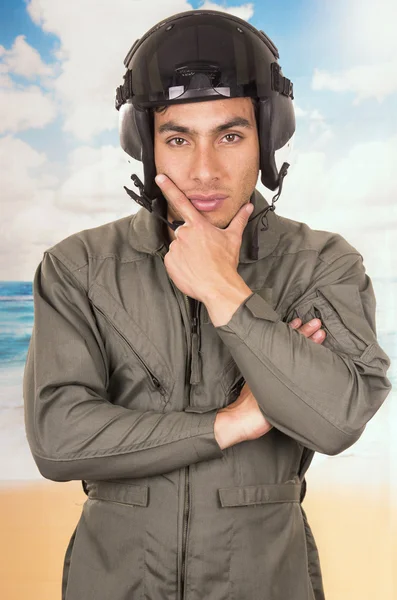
(62, 170)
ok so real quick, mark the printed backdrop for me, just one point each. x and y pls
(62, 170)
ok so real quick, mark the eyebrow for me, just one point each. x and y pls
(236, 122)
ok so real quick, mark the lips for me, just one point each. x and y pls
(209, 203)
(209, 198)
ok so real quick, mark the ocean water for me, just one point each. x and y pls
(375, 451)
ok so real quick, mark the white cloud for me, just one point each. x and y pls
(366, 81)
(95, 183)
(317, 126)
(38, 211)
(18, 161)
(24, 60)
(366, 42)
(5, 80)
(24, 107)
(299, 112)
(92, 69)
(245, 11)
(366, 30)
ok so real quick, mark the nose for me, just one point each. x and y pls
(205, 164)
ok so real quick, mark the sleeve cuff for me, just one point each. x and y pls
(204, 440)
(241, 320)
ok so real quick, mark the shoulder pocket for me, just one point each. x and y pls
(342, 316)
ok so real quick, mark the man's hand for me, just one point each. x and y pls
(203, 260)
(243, 419)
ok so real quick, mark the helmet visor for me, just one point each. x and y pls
(197, 56)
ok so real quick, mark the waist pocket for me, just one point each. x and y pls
(246, 495)
(268, 545)
(122, 493)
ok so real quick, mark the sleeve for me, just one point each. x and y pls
(73, 430)
(322, 395)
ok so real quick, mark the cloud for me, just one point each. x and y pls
(366, 81)
(299, 112)
(24, 107)
(18, 163)
(366, 30)
(26, 206)
(24, 60)
(317, 127)
(245, 11)
(367, 45)
(95, 183)
(38, 210)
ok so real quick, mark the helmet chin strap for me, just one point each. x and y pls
(146, 202)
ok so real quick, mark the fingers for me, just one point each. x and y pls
(178, 200)
(311, 329)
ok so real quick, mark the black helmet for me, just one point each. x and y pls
(195, 56)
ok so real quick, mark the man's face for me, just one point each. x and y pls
(201, 160)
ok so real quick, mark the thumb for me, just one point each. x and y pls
(240, 220)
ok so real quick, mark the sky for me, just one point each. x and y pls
(62, 169)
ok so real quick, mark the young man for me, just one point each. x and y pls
(164, 369)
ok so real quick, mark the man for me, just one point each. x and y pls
(164, 369)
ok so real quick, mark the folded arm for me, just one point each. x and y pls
(73, 430)
(321, 395)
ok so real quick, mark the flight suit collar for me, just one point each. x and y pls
(147, 233)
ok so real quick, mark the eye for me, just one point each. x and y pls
(233, 135)
(176, 138)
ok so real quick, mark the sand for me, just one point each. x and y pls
(353, 530)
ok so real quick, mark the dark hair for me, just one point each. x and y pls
(162, 109)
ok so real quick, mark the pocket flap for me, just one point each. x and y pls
(260, 494)
(201, 409)
(124, 493)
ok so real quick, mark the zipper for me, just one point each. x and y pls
(194, 375)
(195, 371)
(184, 534)
(153, 378)
(193, 362)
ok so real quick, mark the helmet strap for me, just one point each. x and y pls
(146, 202)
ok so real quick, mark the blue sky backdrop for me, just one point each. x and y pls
(62, 168)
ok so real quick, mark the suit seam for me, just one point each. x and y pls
(290, 385)
(124, 449)
(69, 270)
(318, 255)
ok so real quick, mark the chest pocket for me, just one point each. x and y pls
(126, 342)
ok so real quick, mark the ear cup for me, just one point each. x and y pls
(145, 127)
(130, 139)
(274, 133)
(136, 139)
